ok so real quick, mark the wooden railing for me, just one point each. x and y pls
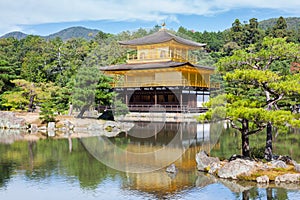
(153, 83)
(166, 108)
(155, 56)
(161, 108)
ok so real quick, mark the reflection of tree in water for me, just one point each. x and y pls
(41, 159)
(6, 170)
(271, 194)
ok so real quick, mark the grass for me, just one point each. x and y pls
(271, 173)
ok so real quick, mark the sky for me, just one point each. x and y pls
(44, 17)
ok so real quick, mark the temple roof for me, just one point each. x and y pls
(160, 37)
(151, 66)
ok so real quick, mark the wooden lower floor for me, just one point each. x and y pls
(169, 99)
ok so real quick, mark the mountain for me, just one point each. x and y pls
(293, 23)
(74, 32)
(65, 34)
(86, 33)
(16, 34)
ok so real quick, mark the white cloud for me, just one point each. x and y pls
(14, 14)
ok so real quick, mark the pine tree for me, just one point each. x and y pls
(255, 90)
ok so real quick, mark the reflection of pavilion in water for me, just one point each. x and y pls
(173, 134)
(150, 148)
(194, 137)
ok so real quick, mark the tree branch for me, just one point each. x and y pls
(235, 126)
(256, 131)
(271, 102)
(270, 61)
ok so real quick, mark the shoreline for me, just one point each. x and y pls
(283, 170)
(32, 128)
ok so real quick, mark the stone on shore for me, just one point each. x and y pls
(278, 164)
(9, 120)
(288, 178)
(262, 179)
(297, 167)
(206, 163)
(51, 126)
(235, 168)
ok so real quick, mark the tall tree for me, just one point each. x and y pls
(8, 73)
(83, 96)
(280, 28)
(248, 72)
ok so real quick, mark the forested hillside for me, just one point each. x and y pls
(74, 32)
(65, 34)
(16, 34)
(51, 73)
(293, 23)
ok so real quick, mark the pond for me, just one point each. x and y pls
(132, 165)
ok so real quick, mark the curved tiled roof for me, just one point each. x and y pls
(151, 66)
(160, 37)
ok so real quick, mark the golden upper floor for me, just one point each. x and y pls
(160, 47)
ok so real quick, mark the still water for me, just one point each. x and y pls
(132, 165)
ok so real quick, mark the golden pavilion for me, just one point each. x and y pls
(162, 72)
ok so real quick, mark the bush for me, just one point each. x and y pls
(257, 152)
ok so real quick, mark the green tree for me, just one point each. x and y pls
(252, 33)
(250, 76)
(86, 81)
(280, 28)
(236, 32)
(7, 73)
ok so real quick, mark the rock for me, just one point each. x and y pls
(10, 121)
(297, 167)
(278, 164)
(235, 168)
(214, 167)
(51, 126)
(288, 178)
(286, 159)
(95, 127)
(125, 126)
(172, 169)
(262, 179)
(206, 163)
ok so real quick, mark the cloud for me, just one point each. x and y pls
(16, 14)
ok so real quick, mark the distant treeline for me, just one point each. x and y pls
(35, 71)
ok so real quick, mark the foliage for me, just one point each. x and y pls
(57, 60)
(251, 71)
(47, 113)
(120, 108)
(293, 23)
(85, 84)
